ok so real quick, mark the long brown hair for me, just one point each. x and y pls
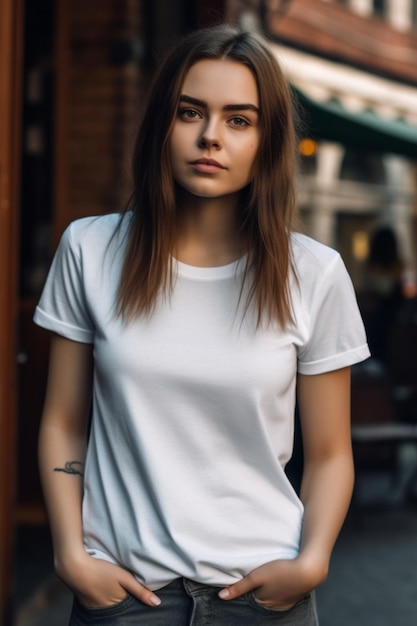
(267, 204)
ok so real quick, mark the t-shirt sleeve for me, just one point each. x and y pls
(63, 306)
(336, 336)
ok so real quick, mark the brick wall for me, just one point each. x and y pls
(333, 30)
(105, 88)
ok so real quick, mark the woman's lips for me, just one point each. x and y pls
(207, 166)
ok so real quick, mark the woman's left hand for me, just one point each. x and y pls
(278, 584)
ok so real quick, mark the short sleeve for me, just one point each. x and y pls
(63, 306)
(336, 335)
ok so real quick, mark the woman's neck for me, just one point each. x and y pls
(209, 232)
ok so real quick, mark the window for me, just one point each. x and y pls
(362, 167)
(414, 13)
(379, 7)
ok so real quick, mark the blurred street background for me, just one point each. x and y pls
(73, 75)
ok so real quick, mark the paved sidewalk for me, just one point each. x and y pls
(373, 575)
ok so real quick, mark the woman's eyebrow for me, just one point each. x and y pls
(241, 107)
(190, 100)
(227, 107)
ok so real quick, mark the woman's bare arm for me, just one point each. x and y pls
(63, 442)
(326, 489)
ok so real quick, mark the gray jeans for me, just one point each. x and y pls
(186, 603)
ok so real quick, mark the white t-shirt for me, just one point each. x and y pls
(193, 408)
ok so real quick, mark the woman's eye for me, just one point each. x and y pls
(239, 121)
(189, 114)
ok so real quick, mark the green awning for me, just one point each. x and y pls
(365, 130)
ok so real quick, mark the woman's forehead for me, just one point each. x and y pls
(221, 79)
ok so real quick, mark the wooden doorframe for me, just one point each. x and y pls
(61, 51)
(11, 62)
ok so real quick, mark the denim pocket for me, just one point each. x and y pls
(113, 610)
(302, 605)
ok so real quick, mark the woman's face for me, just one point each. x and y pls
(215, 136)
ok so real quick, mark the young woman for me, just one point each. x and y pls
(185, 327)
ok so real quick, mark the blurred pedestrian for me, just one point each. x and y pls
(382, 295)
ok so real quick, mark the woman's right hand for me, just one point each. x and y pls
(98, 584)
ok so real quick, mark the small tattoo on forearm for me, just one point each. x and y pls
(71, 467)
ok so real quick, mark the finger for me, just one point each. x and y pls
(238, 589)
(141, 593)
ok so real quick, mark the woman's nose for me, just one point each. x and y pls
(210, 137)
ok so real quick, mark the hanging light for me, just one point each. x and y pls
(307, 147)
